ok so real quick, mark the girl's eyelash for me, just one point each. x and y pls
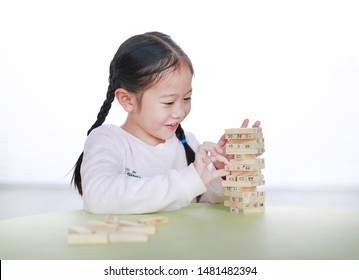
(172, 102)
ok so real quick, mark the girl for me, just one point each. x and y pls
(148, 164)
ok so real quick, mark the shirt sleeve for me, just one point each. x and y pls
(107, 190)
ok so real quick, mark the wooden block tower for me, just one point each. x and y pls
(245, 145)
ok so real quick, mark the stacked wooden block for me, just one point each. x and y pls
(244, 145)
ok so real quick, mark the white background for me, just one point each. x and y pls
(294, 65)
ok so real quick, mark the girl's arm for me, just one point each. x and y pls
(107, 190)
(114, 193)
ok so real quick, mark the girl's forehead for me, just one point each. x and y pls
(175, 77)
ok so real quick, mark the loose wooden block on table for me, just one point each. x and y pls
(101, 226)
(117, 237)
(79, 229)
(114, 230)
(154, 220)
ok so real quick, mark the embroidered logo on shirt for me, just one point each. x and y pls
(132, 173)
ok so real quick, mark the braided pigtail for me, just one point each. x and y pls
(190, 154)
(101, 117)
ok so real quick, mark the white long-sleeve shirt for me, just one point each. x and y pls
(123, 175)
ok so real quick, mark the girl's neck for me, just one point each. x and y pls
(141, 134)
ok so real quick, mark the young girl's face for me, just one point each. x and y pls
(162, 108)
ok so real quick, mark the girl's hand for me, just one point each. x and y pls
(207, 153)
(223, 141)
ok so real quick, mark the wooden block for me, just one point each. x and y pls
(241, 141)
(239, 205)
(79, 229)
(154, 220)
(246, 173)
(245, 151)
(126, 237)
(244, 205)
(236, 184)
(258, 178)
(253, 199)
(101, 226)
(142, 229)
(244, 136)
(244, 167)
(240, 189)
(83, 238)
(231, 178)
(129, 223)
(232, 146)
(243, 130)
(241, 156)
(246, 211)
(248, 161)
(244, 178)
(261, 194)
(111, 219)
(240, 194)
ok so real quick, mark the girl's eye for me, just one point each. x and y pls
(168, 103)
(187, 99)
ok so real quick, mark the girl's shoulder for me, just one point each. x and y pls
(192, 139)
(106, 133)
(106, 129)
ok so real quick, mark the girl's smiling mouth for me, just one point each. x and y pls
(172, 126)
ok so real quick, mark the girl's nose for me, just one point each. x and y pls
(178, 112)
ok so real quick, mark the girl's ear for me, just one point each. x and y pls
(126, 99)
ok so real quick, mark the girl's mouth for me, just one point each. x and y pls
(172, 126)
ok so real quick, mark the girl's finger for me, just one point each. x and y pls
(245, 123)
(212, 148)
(219, 158)
(220, 173)
(222, 141)
(256, 124)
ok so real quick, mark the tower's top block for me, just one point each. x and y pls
(243, 130)
(246, 136)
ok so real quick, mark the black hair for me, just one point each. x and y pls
(137, 65)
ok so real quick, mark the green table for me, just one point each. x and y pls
(200, 231)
